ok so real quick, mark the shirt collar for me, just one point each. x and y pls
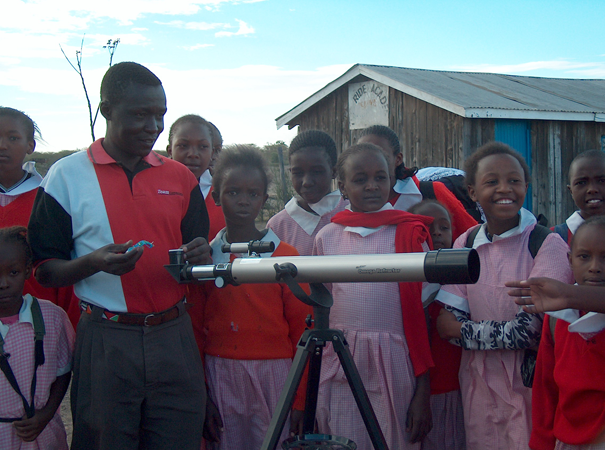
(587, 325)
(32, 182)
(527, 219)
(364, 231)
(307, 220)
(409, 194)
(25, 315)
(205, 183)
(574, 221)
(98, 155)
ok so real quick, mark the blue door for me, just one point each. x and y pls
(517, 134)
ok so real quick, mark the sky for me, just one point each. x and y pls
(243, 63)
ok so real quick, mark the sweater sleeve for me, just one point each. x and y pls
(545, 395)
(461, 220)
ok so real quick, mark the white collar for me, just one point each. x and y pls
(574, 221)
(589, 324)
(309, 221)
(219, 257)
(409, 194)
(363, 231)
(31, 183)
(25, 315)
(205, 183)
(527, 219)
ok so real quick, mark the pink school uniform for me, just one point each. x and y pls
(370, 314)
(58, 351)
(298, 227)
(497, 406)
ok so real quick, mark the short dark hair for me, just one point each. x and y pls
(401, 172)
(17, 235)
(217, 138)
(356, 150)
(588, 154)
(315, 138)
(492, 148)
(121, 76)
(247, 156)
(189, 118)
(426, 202)
(31, 129)
(593, 220)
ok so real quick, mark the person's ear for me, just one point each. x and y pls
(398, 159)
(28, 270)
(31, 146)
(343, 190)
(216, 197)
(169, 150)
(265, 198)
(471, 192)
(105, 109)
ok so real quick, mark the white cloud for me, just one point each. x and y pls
(198, 46)
(201, 26)
(244, 30)
(44, 16)
(588, 69)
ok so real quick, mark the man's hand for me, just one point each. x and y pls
(114, 259)
(538, 295)
(197, 251)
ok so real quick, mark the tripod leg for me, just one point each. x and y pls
(312, 389)
(286, 399)
(359, 392)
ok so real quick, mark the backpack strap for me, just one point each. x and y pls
(536, 238)
(427, 190)
(39, 332)
(470, 239)
(562, 230)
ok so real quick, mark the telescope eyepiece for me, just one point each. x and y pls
(251, 247)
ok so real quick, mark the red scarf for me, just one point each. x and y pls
(411, 232)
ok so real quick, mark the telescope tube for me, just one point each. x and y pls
(460, 266)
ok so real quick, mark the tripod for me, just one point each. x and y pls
(310, 350)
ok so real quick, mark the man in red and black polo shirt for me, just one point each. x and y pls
(138, 379)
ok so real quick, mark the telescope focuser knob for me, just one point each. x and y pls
(309, 321)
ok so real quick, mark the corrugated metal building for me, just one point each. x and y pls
(442, 117)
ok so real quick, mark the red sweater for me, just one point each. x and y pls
(255, 321)
(568, 398)
(444, 376)
(17, 213)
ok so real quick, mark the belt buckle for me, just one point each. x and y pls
(147, 317)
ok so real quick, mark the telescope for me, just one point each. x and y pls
(445, 266)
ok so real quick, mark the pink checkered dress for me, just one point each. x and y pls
(370, 316)
(58, 351)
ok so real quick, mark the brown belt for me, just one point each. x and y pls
(147, 320)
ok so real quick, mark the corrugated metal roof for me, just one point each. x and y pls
(482, 94)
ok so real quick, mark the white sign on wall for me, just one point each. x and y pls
(368, 104)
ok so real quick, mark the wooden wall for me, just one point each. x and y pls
(431, 136)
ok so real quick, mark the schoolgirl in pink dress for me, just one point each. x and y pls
(493, 331)
(312, 159)
(383, 322)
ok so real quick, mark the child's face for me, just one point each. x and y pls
(441, 228)
(500, 189)
(242, 195)
(134, 124)
(311, 174)
(192, 146)
(587, 255)
(15, 144)
(383, 143)
(366, 184)
(587, 186)
(14, 270)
